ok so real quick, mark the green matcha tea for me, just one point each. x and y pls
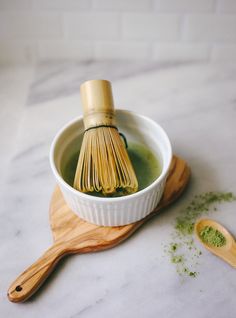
(145, 164)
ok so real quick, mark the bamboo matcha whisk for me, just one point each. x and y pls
(103, 164)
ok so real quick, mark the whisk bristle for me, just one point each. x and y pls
(104, 165)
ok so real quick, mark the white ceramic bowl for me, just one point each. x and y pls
(119, 210)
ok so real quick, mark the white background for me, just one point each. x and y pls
(163, 30)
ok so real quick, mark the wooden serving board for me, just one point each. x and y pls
(73, 235)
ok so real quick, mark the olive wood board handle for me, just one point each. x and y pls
(73, 235)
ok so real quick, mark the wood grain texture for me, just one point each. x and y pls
(73, 235)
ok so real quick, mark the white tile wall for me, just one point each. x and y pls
(122, 50)
(181, 52)
(30, 25)
(65, 5)
(151, 26)
(185, 6)
(48, 50)
(122, 5)
(92, 26)
(15, 4)
(165, 30)
(224, 52)
(17, 51)
(211, 28)
(227, 6)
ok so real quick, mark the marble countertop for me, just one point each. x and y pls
(196, 104)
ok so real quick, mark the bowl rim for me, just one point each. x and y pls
(110, 199)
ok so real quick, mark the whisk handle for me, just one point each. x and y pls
(98, 106)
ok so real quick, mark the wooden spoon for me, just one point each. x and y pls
(228, 251)
(73, 235)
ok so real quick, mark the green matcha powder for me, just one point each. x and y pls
(182, 250)
(212, 236)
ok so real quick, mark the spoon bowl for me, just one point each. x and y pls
(228, 251)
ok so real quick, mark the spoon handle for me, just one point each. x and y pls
(31, 279)
(232, 255)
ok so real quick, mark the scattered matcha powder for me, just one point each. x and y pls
(212, 236)
(177, 259)
(182, 251)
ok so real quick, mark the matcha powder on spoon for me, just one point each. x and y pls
(182, 251)
(212, 236)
